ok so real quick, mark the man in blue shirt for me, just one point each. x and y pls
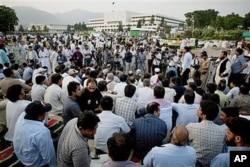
(176, 153)
(238, 66)
(238, 136)
(148, 131)
(33, 144)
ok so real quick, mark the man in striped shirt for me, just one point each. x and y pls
(73, 148)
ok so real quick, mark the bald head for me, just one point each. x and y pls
(179, 135)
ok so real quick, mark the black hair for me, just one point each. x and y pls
(106, 103)
(240, 127)
(129, 90)
(72, 86)
(211, 87)
(159, 92)
(102, 85)
(13, 92)
(189, 96)
(239, 50)
(152, 107)
(244, 89)
(40, 79)
(55, 78)
(123, 77)
(87, 120)
(119, 147)
(210, 109)
(192, 85)
(7, 72)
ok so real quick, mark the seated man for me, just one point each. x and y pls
(126, 106)
(109, 124)
(238, 137)
(148, 131)
(176, 152)
(73, 148)
(206, 137)
(187, 112)
(119, 150)
(32, 140)
(165, 106)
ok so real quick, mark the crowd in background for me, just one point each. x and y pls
(123, 94)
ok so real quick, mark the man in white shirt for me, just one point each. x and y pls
(109, 124)
(119, 87)
(157, 60)
(144, 95)
(187, 112)
(67, 79)
(55, 95)
(186, 64)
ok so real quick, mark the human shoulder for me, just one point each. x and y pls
(221, 160)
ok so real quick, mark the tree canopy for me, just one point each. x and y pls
(8, 19)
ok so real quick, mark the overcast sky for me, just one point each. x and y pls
(172, 8)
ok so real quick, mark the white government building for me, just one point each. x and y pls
(111, 21)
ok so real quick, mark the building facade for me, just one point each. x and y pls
(51, 28)
(129, 20)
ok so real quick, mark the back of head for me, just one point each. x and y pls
(146, 82)
(189, 96)
(13, 92)
(107, 103)
(55, 78)
(123, 78)
(102, 85)
(152, 107)
(211, 87)
(7, 72)
(129, 90)
(87, 120)
(244, 89)
(159, 92)
(214, 98)
(179, 135)
(240, 127)
(221, 86)
(119, 147)
(231, 111)
(40, 79)
(165, 83)
(210, 109)
(93, 74)
(192, 85)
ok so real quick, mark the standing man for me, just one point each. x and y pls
(73, 148)
(223, 69)
(44, 58)
(238, 137)
(157, 60)
(238, 66)
(33, 144)
(31, 56)
(87, 55)
(186, 64)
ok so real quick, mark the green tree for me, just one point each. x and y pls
(162, 22)
(21, 29)
(8, 19)
(201, 18)
(143, 21)
(152, 20)
(68, 28)
(138, 24)
(246, 21)
(232, 21)
(84, 27)
(33, 28)
(120, 28)
(129, 27)
(45, 28)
